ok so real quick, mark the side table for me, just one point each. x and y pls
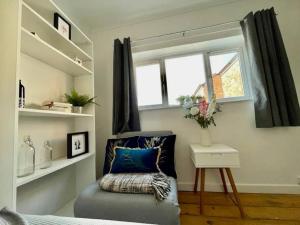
(219, 157)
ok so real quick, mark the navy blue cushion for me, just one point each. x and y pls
(131, 142)
(128, 160)
(166, 143)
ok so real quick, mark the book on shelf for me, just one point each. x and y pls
(57, 106)
(58, 109)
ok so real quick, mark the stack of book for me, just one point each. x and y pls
(57, 106)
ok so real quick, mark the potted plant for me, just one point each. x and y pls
(197, 108)
(79, 101)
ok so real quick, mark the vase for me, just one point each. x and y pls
(77, 109)
(205, 137)
(46, 155)
(26, 158)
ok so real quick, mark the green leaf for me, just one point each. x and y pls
(79, 100)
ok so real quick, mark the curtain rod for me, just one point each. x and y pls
(184, 31)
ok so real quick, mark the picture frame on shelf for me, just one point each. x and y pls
(77, 144)
(62, 25)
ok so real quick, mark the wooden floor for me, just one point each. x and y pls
(219, 209)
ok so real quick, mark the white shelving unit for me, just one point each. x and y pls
(45, 63)
(47, 9)
(36, 23)
(48, 113)
(57, 164)
(34, 46)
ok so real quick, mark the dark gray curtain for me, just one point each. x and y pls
(275, 96)
(125, 109)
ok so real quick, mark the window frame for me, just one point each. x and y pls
(149, 63)
(244, 76)
(208, 75)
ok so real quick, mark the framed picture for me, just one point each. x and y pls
(78, 144)
(62, 25)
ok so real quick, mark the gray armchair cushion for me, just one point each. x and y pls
(144, 208)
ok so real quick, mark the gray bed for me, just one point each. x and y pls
(8, 217)
(143, 208)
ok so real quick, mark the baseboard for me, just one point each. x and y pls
(247, 188)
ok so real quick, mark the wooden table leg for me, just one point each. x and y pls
(202, 190)
(196, 180)
(223, 180)
(235, 192)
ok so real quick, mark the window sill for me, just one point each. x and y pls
(220, 101)
(148, 108)
(234, 99)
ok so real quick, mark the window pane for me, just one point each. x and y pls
(148, 85)
(226, 73)
(185, 76)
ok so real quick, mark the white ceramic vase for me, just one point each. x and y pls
(77, 109)
(205, 137)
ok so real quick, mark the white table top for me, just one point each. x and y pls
(215, 148)
(214, 156)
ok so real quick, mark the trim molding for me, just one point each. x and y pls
(246, 188)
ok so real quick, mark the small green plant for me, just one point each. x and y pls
(79, 100)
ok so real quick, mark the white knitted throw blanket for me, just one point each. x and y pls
(152, 183)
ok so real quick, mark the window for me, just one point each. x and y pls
(148, 82)
(226, 75)
(204, 73)
(184, 75)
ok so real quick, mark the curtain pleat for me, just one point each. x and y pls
(125, 107)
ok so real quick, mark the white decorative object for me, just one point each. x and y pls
(205, 137)
(77, 109)
(79, 61)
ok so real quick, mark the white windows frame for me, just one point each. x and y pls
(208, 75)
(244, 73)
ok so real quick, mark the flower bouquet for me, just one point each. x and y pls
(197, 108)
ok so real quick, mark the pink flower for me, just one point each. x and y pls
(203, 106)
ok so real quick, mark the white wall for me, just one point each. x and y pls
(269, 157)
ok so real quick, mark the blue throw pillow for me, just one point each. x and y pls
(131, 142)
(166, 144)
(128, 160)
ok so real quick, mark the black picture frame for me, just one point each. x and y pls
(71, 148)
(57, 17)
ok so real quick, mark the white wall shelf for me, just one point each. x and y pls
(44, 63)
(57, 164)
(48, 113)
(34, 22)
(39, 49)
(47, 8)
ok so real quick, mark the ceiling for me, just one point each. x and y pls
(113, 13)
